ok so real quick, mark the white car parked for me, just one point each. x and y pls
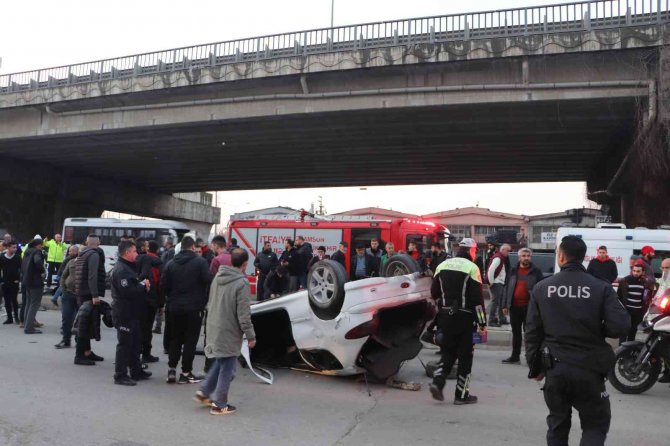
(337, 327)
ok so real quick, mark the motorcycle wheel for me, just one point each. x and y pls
(625, 380)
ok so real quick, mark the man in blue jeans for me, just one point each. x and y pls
(69, 306)
(228, 319)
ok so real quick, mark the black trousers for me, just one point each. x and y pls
(184, 334)
(635, 319)
(24, 303)
(518, 321)
(52, 271)
(146, 327)
(11, 292)
(260, 286)
(166, 332)
(457, 329)
(569, 386)
(128, 349)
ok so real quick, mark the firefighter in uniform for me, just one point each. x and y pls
(457, 286)
(129, 296)
(569, 316)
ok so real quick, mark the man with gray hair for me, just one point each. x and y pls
(496, 274)
(520, 282)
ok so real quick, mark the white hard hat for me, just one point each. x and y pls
(468, 243)
(37, 237)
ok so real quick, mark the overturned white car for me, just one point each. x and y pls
(337, 327)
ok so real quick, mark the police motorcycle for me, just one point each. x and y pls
(638, 364)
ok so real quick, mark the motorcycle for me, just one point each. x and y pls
(637, 363)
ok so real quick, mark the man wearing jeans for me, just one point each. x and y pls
(497, 276)
(32, 270)
(522, 279)
(229, 318)
(69, 305)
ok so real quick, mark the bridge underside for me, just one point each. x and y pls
(569, 140)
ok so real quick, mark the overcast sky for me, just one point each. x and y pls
(41, 34)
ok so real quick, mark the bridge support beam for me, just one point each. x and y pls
(37, 198)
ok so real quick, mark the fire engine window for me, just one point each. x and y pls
(364, 235)
(422, 241)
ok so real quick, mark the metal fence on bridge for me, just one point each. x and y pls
(569, 17)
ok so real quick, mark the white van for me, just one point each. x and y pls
(621, 245)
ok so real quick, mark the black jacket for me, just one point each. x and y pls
(371, 266)
(458, 285)
(145, 264)
(571, 313)
(266, 261)
(534, 276)
(294, 261)
(90, 276)
(435, 260)
(305, 252)
(32, 269)
(606, 270)
(11, 268)
(87, 322)
(129, 296)
(185, 282)
(275, 284)
(339, 257)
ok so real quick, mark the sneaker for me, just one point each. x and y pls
(172, 376)
(216, 410)
(470, 399)
(142, 376)
(149, 358)
(189, 378)
(35, 331)
(83, 361)
(511, 360)
(200, 397)
(436, 392)
(124, 381)
(8, 322)
(62, 344)
(665, 378)
(94, 357)
(38, 324)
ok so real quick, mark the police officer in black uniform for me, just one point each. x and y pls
(457, 286)
(569, 316)
(129, 295)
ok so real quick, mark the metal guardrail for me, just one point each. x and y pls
(577, 16)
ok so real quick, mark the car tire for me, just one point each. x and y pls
(400, 265)
(325, 288)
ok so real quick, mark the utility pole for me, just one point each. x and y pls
(332, 12)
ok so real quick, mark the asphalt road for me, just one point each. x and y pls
(46, 400)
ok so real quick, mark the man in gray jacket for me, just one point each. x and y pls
(228, 319)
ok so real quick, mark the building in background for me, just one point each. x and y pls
(477, 223)
(281, 211)
(542, 228)
(376, 213)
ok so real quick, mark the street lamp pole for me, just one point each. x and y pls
(332, 12)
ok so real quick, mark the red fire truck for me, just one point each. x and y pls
(251, 234)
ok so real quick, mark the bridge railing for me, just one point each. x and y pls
(577, 16)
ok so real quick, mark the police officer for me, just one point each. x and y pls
(569, 316)
(458, 288)
(129, 295)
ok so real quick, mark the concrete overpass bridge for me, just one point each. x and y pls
(555, 93)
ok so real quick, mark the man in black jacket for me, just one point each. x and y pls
(149, 266)
(292, 261)
(516, 295)
(10, 266)
(437, 256)
(569, 316)
(305, 252)
(32, 270)
(341, 253)
(185, 282)
(603, 267)
(89, 284)
(276, 284)
(364, 265)
(129, 298)
(265, 262)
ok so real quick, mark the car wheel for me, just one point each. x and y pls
(399, 265)
(325, 287)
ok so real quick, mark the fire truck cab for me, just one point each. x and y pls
(251, 234)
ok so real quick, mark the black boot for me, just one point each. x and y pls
(665, 378)
(8, 321)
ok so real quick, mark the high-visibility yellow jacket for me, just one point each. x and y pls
(56, 251)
